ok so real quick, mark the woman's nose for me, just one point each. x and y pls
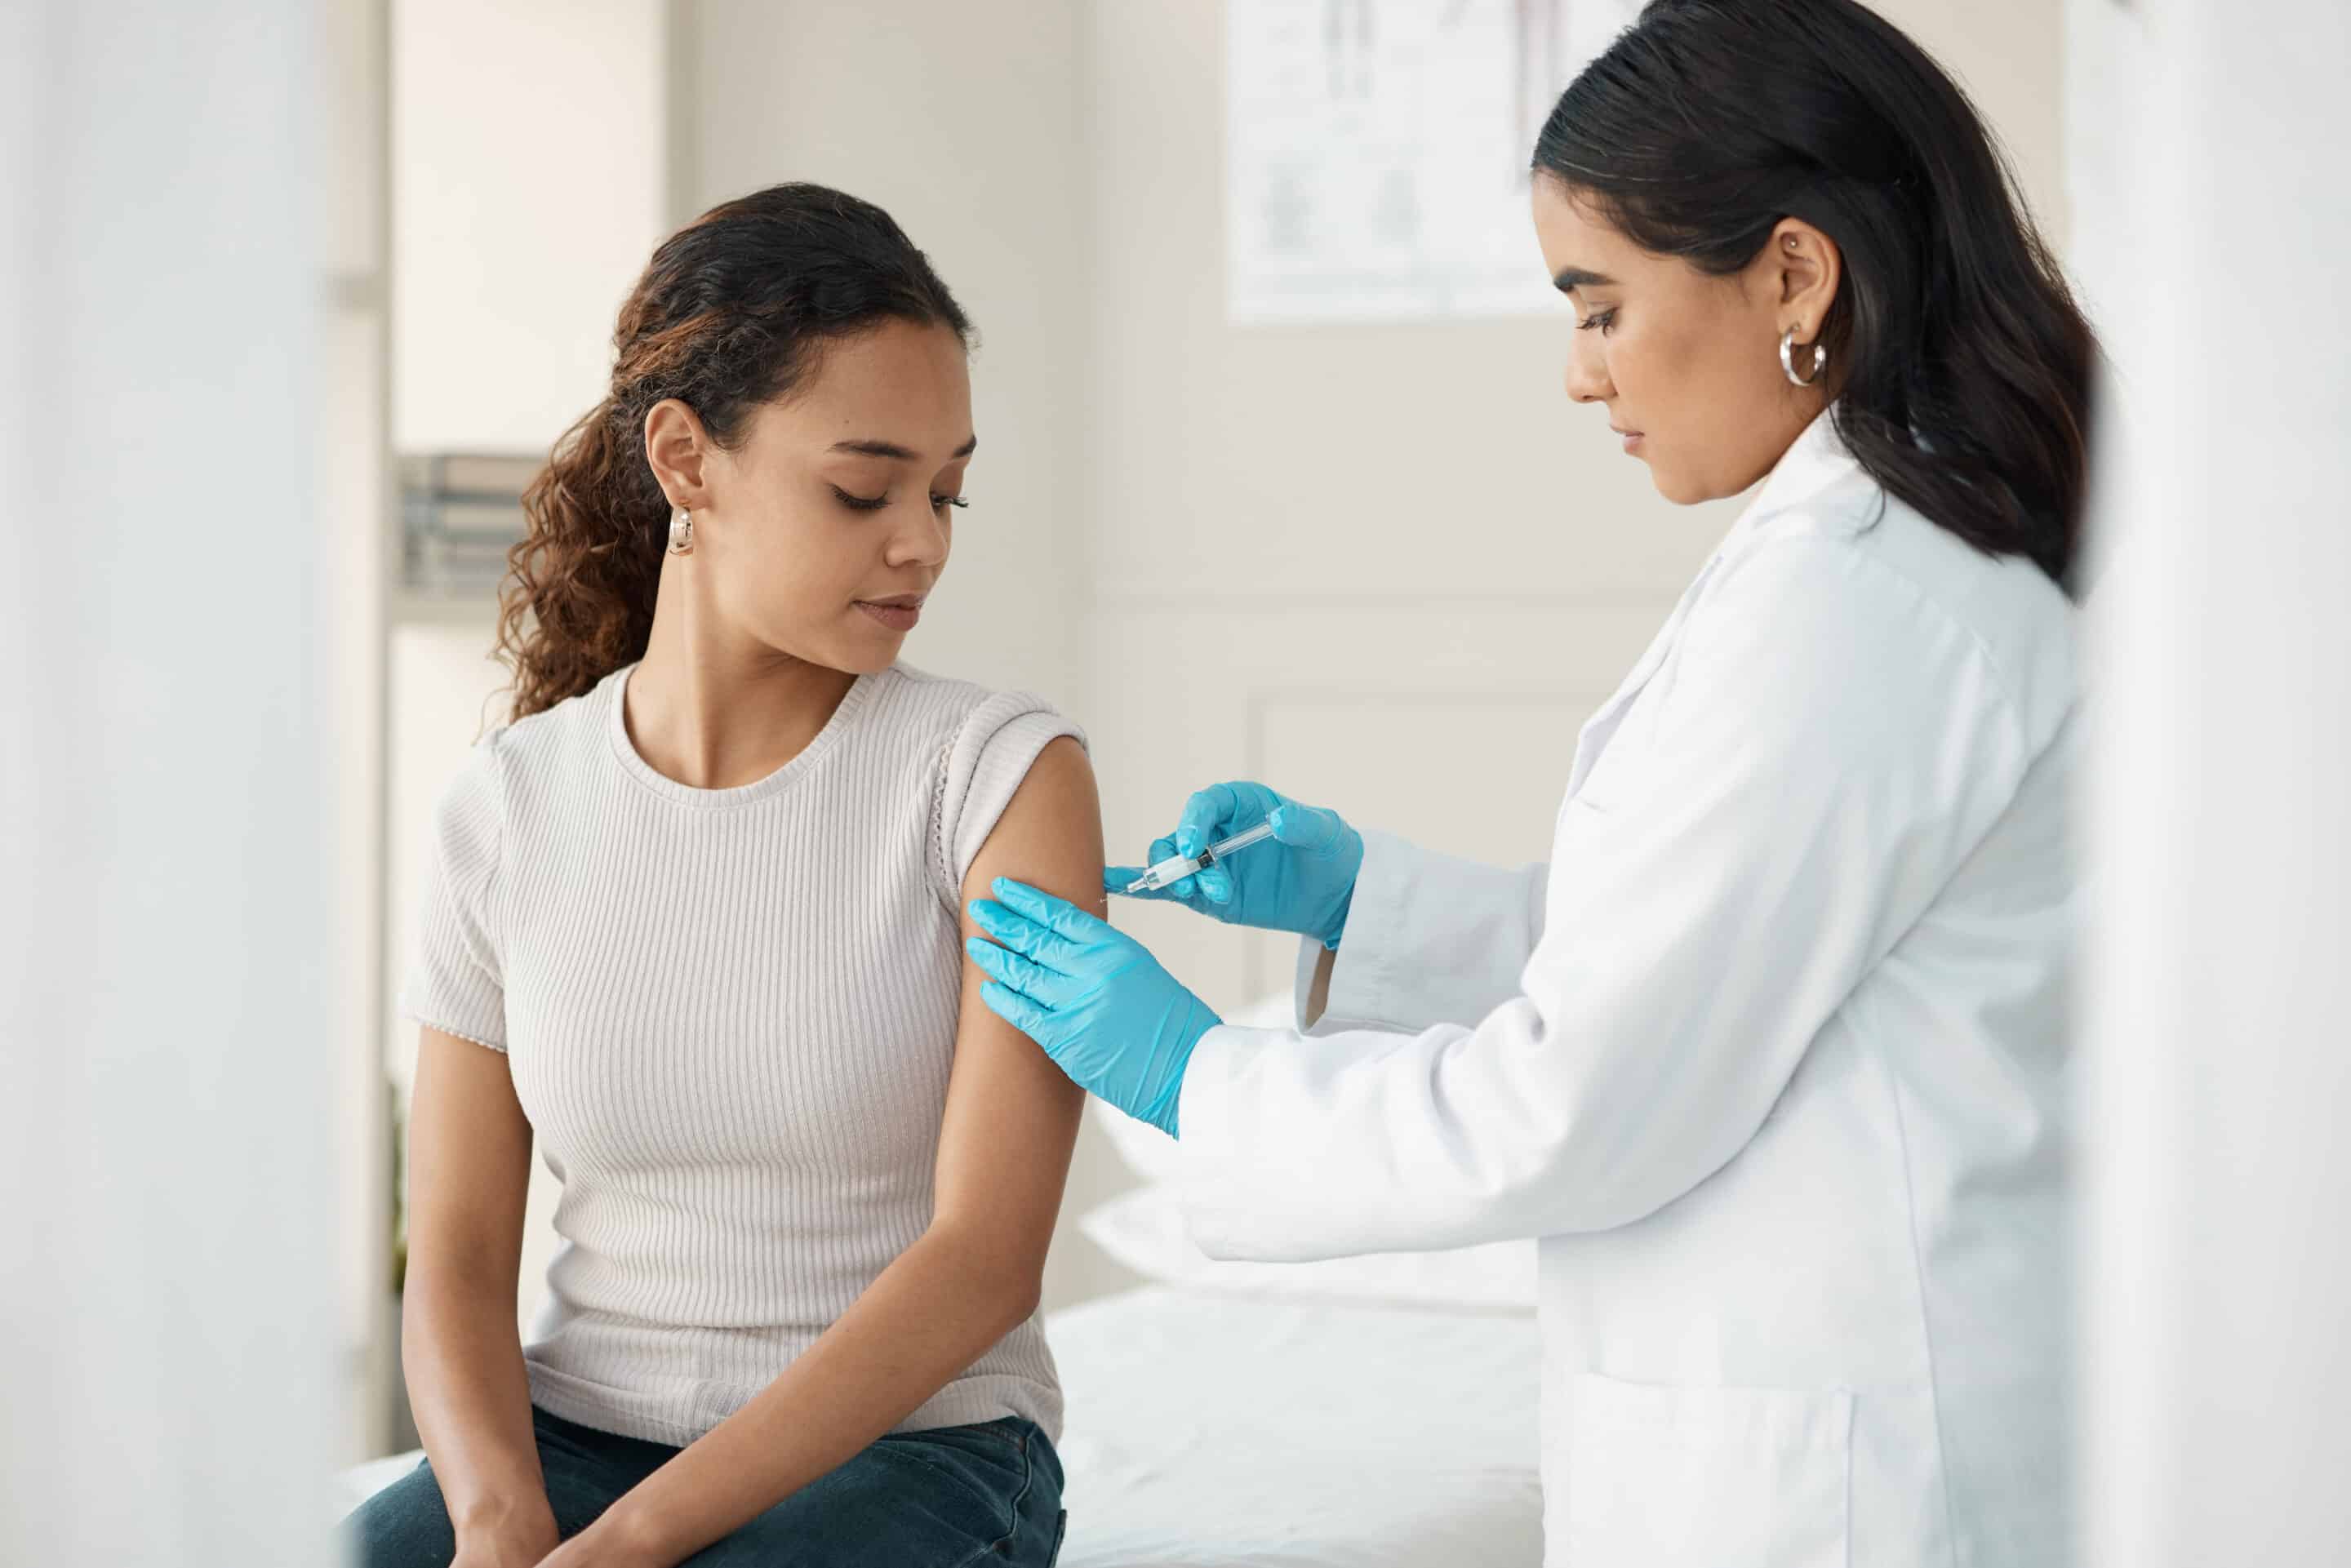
(922, 542)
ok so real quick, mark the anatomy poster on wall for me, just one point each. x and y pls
(1376, 152)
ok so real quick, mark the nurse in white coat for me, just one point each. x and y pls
(1771, 1055)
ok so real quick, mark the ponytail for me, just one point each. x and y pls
(728, 316)
(577, 602)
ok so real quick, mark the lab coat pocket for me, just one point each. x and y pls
(1706, 1478)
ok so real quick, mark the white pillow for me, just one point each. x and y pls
(1144, 1231)
(1142, 1148)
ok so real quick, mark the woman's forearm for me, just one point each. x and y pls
(933, 1312)
(467, 1386)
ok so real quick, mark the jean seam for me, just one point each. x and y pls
(1013, 1531)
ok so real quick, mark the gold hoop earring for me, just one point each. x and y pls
(681, 532)
(1788, 360)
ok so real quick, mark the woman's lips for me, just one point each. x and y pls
(898, 614)
(1631, 438)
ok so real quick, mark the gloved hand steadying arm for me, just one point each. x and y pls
(1303, 881)
(1094, 997)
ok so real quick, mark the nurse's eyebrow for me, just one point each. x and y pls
(1575, 277)
(895, 452)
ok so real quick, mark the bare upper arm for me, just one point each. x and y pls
(1012, 1115)
(468, 1160)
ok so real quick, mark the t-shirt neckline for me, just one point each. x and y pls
(613, 694)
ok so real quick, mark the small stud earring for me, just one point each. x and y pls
(681, 532)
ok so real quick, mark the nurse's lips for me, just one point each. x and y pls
(899, 612)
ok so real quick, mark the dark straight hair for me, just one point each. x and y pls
(1962, 367)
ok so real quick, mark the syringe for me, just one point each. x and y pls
(1176, 868)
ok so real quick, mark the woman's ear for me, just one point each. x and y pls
(677, 448)
(1807, 266)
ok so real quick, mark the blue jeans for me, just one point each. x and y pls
(941, 1499)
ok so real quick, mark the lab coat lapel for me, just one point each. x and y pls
(1601, 728)
(1815, 459)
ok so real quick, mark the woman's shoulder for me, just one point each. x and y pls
(578, 720)
(954, 713)
(513, 756)
(469, 817)
(980, 742)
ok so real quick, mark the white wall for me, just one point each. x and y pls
(530, 189)
(2219, 1010)
(170, 936)
(963, 122)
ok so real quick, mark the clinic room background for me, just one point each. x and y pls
(1248, 538)
(1351, 525)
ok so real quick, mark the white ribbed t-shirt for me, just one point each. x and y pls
(729, 1015)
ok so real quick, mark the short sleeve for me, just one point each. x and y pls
(991, 753)
(455, 980)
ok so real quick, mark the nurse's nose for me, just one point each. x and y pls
(1587, 378)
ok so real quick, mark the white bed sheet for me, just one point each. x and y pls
(1213, 1430)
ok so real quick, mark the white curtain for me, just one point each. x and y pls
(167, 918)
(2212, 221)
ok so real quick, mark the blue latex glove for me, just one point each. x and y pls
(1094, 997)
(1302, 881)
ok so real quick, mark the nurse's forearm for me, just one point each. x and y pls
(1431, 938)
(932, 1314)
(1317, 992)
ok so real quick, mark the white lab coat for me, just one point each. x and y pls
(1771, 1056)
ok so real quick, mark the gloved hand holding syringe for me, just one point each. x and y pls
(1102, 1006)
(1304, 883)
(1176, 868)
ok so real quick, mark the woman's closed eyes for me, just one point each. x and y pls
(875, 503)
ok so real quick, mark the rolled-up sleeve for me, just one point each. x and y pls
(1430, 939)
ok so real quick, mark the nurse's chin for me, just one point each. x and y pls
(1682, 489)
(1675, 487)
